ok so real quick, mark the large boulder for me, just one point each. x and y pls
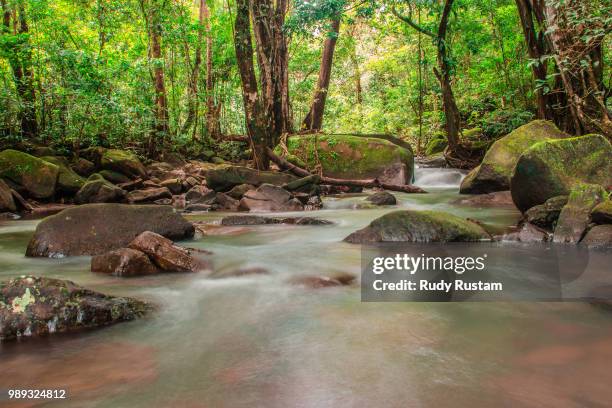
(37, 306)
(123, 162)
(98, 190)
(35, 176)
(68, 181)
(436, 144)
(602, 213)
(94, 229)
(123, 262)
(224, 178)
(576, 215)
(554, 167)
(7, 203)
(167, 256)
(494, 173)
(353, 157)
(419, 226)
(269, 198)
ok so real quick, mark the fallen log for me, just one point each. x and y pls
(368, 183)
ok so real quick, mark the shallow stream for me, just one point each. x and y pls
(259, 341)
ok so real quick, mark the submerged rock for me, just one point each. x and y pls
(167, 256)
(319, 282)
(234, 273)
(268, 197)
(382, 198)
(258, 220)
(554, 167)
(353, 157)
(576, 215)
(38, 306)
(528, 233)
(496, 199)
(98, 228)
(225, 178)
(124, 262)
(36, 177)
(495, 171)
(419, 226)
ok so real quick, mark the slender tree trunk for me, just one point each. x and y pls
(451, 112)
(20, 61)
(212, 110)
(536, 49)
(314, 119)
(161, 127)
(257, 122)
(192, 88)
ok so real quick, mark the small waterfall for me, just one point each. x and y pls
(433, 177)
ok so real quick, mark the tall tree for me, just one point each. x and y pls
(314, 118)
(18, 51)
(152, 11)
(257, 121)
(443, 72)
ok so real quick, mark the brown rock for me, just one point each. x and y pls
(600, 236)
(268, 197)
(123, 262)
(164, 253)
(174, 185)
(6, 198)
(148, 195)
(94, 229)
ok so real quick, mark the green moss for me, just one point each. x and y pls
(347, 156)
(68, 181)
(38, 177)
(436, 145)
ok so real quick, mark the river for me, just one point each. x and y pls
(258, 341)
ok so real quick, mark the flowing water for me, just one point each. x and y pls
(259, 341)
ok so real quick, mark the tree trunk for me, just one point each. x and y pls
(160, 131)
(451, 112)
(257, 122)
(314, 119)
(536, 49)
(212, 110)
(20, 61)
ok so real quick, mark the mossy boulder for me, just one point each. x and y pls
(123, 162)
(99, 190)
(495, 171)
(437, 144)
(225, 177)
(576, 215)
(353, 157)
(94, 229)
(36, 177)
(38, 306)
(602, 214)
(419, 226)
(68, 181)
(554, 167)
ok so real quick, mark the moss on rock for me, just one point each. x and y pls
(68, 181)
(419, 226)
(437, 144)
(37, 177)
(353, 157)
(602, 214)
(555, 167)
(496, 168)
(575, 216)
(123, 162)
